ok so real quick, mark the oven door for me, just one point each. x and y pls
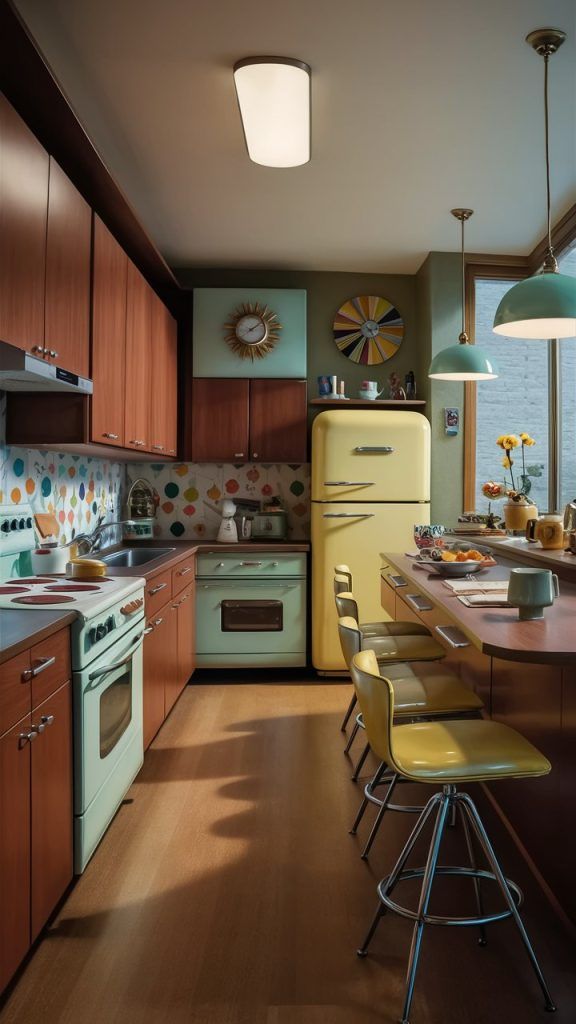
(107, 714)
(245, 617)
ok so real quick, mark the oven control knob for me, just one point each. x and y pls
(13, 524)
(110, 624)
(21, 524)
(92, 635)
(100, 631)
(29, 523)
(5, 526)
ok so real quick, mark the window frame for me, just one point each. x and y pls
(513, 268)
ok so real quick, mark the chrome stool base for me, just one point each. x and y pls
(383, 777)
(443, 804)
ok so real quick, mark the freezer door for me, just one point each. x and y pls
(365, 455)
(356, 534)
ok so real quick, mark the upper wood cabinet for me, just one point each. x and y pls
(220, 412)
(248, 420)
(23, 216)
(68, 245)
(278, 415)
(164, 387)
(138, 369)
(110, 270)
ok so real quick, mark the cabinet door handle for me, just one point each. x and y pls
(238, 455)
(158, 622)
(53, 354)
(184, 572)
(255, 455)
(39, 349)
(418, 602)
(158, 447)
(453, 636)
(250, 563)
(26, 737)
(44, 721)
(41, 665)
(375, 449)
(148, 630)
(157, 588)
(113, 437)
(138, 444)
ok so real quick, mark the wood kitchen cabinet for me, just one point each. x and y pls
(52, 810)
(248, 420)
(14, 848)
(220, 409)
(164, 380)
(68, 259)
(110, 271)
(24, 168)
(36, 810)
(186, 628)
(155, 651)
(138, 366)
(278, 421)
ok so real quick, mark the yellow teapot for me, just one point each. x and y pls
(548, 529)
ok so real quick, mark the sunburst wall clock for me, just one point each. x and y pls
(368, 329)
(253, 330)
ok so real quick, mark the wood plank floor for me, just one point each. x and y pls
(228, 891)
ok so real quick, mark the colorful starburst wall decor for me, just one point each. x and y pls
(368, 329)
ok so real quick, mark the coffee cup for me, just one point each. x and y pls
(532, 590)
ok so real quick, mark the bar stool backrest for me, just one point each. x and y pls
(344, 570)
(350, 637)
(346, 605)
(341, 583)
(376, 699)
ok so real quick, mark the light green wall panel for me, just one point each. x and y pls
(212, 356)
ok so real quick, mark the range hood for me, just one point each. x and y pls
(19, 371)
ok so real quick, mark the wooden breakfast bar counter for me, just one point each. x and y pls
(525, 672)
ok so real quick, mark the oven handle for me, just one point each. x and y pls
(257, 584)
(137, 641)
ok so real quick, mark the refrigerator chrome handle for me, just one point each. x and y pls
(349, 483)
(348, 515)
(379, 449)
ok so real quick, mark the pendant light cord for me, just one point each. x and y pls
(463, 279)
(547, 144)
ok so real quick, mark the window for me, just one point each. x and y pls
(517, 401)
(567, 398)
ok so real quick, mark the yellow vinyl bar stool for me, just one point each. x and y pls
(447, 753)
(343, 585)
(420, 691)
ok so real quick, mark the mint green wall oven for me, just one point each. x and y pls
(250, 611)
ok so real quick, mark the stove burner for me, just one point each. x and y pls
(72, 587)
(42, 599)
(14, 590)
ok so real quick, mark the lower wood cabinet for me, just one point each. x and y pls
(169, 649)
(36, 811)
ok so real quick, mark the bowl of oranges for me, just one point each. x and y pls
(456, 560)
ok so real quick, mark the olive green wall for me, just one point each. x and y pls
(438, 296)
(429, 301)
(326, 293)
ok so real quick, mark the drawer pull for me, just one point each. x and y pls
(238, 455)
(250, 563)
(453, 636)
(26, 737)
(112, 437)
(397, 581)
(157, 588)
(138, 444)
(158, 622)
(158, 447)
(41, 665)
(184, 572)
(44, 721)
(418, 602)
(148, 630)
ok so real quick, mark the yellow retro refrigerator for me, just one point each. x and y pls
(370, 485)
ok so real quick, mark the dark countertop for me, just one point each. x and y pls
(20, 629)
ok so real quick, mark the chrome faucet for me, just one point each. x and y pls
(91, 541)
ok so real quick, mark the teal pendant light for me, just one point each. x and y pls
(542, 306)
(462, 361)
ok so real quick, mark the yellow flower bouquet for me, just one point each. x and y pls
(508, 443)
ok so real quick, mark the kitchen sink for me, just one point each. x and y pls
(128, 557)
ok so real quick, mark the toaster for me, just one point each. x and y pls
(270, 526)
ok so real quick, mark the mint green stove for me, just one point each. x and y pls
(250, 609)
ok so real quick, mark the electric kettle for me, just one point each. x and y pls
(570, 516)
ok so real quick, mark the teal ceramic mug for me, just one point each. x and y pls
(532, 590)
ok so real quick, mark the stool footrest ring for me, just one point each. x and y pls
(476, 873)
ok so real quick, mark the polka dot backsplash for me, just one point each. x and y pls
(189, 492)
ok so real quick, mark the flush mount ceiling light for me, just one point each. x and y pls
(542, 306)
(274, 99)
(462, 361)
